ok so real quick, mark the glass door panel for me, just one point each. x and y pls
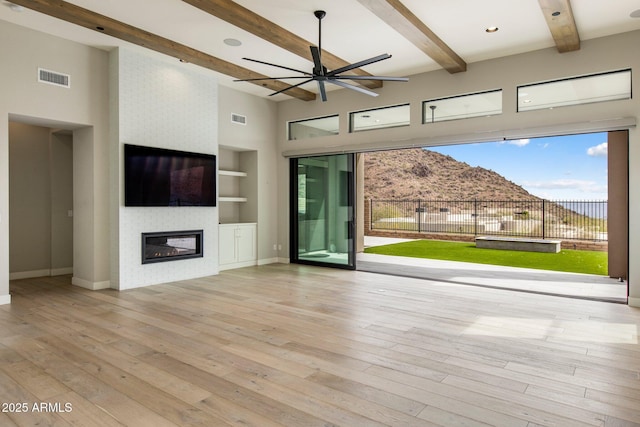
(322, 211)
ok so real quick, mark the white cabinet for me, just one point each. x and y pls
(237, 245)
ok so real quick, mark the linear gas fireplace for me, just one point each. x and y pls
(171, 246)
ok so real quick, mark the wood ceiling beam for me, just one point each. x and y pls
(562, 24)
(394, 13)
(255, 24)
(105, 25)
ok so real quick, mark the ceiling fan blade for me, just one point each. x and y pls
(359, 64)
(352, 87)
(317, 64)
(382, 78)
(323, 91)
(272, 78)
(291, 87)
(279, 66)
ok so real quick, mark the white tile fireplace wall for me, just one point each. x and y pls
(163, 104)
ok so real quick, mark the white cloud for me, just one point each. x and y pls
(516, 142)
(519, 142)
(599, 150)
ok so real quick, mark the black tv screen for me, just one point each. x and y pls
(161, 177)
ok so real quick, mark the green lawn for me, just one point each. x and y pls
(589, 262)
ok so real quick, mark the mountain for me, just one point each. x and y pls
(417, 173)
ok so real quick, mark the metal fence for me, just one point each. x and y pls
(543, 219)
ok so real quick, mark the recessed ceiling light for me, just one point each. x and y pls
(491, 29)
(527, 101)
(184, 61)
(556, 13)
(635, 14)
(232, 42)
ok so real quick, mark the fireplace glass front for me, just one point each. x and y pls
(171, 246)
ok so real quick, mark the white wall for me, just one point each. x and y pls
(605, 54)
(84, 105)
(167, 104)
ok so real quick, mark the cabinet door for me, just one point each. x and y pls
(246, 243)
(227, 244)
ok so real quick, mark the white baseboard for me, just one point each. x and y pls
(267, 261)
(633, 302)
(223, 267)
(92, 286)
(29, 274)
(40, 273)
(61, 271)
(284, 260)
(5, 299)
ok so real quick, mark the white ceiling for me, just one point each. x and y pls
(350, 31)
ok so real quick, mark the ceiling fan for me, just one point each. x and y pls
(320, 73)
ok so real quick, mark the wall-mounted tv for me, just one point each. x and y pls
(161, 177)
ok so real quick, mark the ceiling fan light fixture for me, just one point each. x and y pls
(321, 75)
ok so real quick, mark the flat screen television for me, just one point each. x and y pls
(161, 177)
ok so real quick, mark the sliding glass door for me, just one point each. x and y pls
(322, 210)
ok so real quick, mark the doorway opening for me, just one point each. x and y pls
(40, 200)
(322, 210)
(396, 215)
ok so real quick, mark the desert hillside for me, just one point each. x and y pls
(422, 174)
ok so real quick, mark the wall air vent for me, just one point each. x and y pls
(238, 119)
(54, 78)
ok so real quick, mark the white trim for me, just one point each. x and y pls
(61, 271)
(5, 299)
(237, 265)
(633, 302)
(92, 286)
(282, 260)
(29, 274)
(604, 125)
(268, 261)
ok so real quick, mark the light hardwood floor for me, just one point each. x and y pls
(305, 346)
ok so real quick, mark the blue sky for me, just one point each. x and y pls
(559, 168)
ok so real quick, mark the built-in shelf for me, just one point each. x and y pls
(237, 185)
(231, 173)
(232, 199)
